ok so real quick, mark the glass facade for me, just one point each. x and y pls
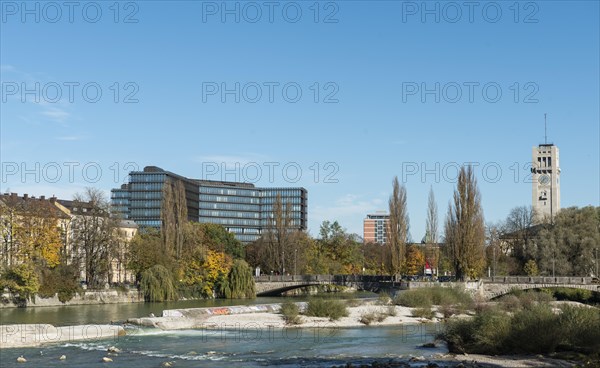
(241, 208)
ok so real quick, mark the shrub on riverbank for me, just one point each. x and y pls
(532, 330)
(62, 281)
(576, 295)
(290, 313)
(427, 297)
(333, 309)
(427, 313)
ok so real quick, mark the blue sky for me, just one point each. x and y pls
(375, 58)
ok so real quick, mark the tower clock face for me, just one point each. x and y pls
(544, 179)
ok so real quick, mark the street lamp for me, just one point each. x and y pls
(295, 260)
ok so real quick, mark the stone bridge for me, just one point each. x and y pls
(276, 285)
(487, 288)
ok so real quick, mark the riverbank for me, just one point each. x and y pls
(268, 316)
(91, 297)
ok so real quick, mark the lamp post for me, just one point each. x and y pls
(295, 260)
(596, 262)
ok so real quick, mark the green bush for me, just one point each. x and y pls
(427, 313)
(333, 309)
(367, 318)
(529, 299)
(447, 310)
(22, 282)
(581, 327)
(576, 295)
(426, 297)
(62, 281)
(485, 333)
(290, 313)
(509, 302)
(533, 330)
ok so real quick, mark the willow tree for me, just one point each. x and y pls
(174, 216)
(239, 283)
(157, 284)
(464, 228)
(397, 234)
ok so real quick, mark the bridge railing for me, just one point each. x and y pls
(323, 278)
(538, 280)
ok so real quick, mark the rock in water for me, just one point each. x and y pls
(21, 359)
(106, 360)
(113, 349)
(63, 357)
(167, 364)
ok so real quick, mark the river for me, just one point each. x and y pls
(317, 346)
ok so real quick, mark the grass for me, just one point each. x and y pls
(353, 303)
(384, 299)
(290, 313)
(426, 313)
(533, 329)
(379, 316)
(332, 309)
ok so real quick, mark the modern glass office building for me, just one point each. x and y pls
(241, 208)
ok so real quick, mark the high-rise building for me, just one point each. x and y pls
(241, 208)
(545, 181)
(375, 227)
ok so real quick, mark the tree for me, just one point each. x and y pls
(217, 238)
(464, 228)
(518, 233)
(93, 236)
(146, 250)
(398, 227)
(239, 283)
(157, 284)
(567, 247)
(277, 238)
(173, 214)
(415, 261)
(531, 268)
(22, 282)
(431, 223)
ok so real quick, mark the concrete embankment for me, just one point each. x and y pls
(31, 335)
(110, 296)
(176, 319)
